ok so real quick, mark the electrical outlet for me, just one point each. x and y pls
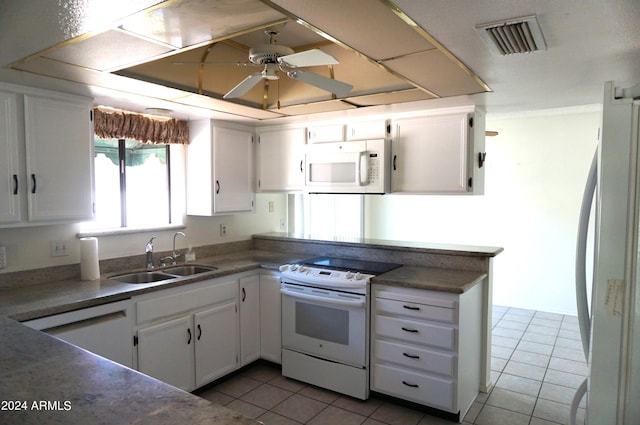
(59, 248)
(223, 230)
(3, 257)
(271, 206)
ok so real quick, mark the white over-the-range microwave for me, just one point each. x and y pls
(362, 166)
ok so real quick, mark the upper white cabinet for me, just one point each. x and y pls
(11, 173)
(53, 137)
(367, 130)
(439, 154)
(280, 159)
(219, 168)
(325, 133)
(59, 147)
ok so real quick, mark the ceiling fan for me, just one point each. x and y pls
(277, 58)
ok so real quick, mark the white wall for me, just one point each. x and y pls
(536, 169)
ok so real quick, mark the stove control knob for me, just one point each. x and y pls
(348, 275)
(283, 267)
(358, 276)
(294, 267)
(302, 269)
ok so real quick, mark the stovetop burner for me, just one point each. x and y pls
(351, 264)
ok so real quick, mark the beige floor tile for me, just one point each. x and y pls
(511, 400)
(394, 414)
(299, 408)
(491, 415)
(519, 384)
(249, 410)
(266, 396)
(320, 394)
(361, 407)
(335, 416)
(551, 411)
(525, 370)
(272, 418)
(237, 386)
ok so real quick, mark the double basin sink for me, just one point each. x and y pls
(169, 273)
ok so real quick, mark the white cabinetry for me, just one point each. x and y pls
(188, 338)
(280, 159)
(368, 130)
(325, 133)
(11, 173)
(219, 168)
(439, 154)
(426, 346)
(249, 319)
(53, 136)
(105, 330)
(270, 318)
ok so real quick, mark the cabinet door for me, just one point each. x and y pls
(367, 130)
(325, 133)
(429, 154)
(249, 319)
(165, 351)
(59, 147)
(270, 314)
(11, 175)
(280, 160)
(233, 164)
(216, 350)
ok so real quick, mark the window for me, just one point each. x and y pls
(332, 215)
(132, 184)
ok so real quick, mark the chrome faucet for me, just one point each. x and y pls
(148, 249)
(175, 254)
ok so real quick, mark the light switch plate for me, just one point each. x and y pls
(59, 248)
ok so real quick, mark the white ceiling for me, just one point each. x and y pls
(588, 42)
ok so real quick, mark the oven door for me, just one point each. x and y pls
(324, 323)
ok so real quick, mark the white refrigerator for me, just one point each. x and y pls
(610, 322)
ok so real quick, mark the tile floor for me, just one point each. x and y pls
(537, 362)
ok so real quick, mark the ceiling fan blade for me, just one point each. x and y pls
(244, 86)
(329, 84)
(313, 57)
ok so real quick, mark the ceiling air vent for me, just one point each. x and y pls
(518, 35)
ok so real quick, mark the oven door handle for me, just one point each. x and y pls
(352, 303)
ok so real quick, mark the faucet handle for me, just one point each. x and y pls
(149, 246)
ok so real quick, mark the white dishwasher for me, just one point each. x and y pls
(105, 330)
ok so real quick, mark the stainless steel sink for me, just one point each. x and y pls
(142, 277)
(188, 270)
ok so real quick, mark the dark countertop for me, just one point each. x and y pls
(430, 278)
(44, 380)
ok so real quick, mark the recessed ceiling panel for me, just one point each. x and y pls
(369, 27)
(314, 108)
(108, 50)
(189, 22)
(435, 72)
(400, 96)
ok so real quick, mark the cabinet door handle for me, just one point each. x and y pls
(199, 332)
(410, 385)
(217, 187)
(411, 307)
(189, 332)
(244, 294)
(415, 331)
(15, 184)
(301, 169)
(394, 162)
(411, 356)
(33, 182)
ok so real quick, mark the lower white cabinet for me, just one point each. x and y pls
(426, 346)
(249, 319)
(189, 337)
(270, 318)
(104, 330)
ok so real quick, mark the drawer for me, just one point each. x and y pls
(441, 336)
(415, 310)
(415, 357)
(417, 387)
(184, 301)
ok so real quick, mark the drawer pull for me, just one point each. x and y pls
(410, 385)
(410, 307)
(415, 331)
(411, 356)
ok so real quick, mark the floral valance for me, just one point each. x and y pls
(128, 125)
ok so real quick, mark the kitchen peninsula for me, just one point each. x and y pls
(38, 367)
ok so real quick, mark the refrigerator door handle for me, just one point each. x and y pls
(584, 318)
